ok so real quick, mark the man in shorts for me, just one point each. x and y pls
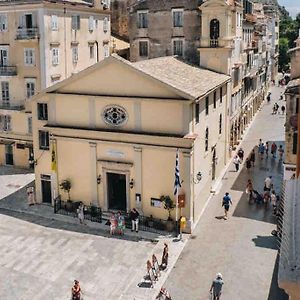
(216, 287)
(226, 203)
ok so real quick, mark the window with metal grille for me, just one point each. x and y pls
(178, 47)
(44, 140)
(42, 109)
(143, 48)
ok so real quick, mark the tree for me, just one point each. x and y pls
(66, 186)
(284, 58)
(168, 204)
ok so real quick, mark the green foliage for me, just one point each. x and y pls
(169, 204)
(284, 58)
(66, 186)
(288, 32)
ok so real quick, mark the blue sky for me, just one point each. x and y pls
(293, 6)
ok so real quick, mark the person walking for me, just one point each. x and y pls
(273, 150)
(261, 150)
(281, 152)
(236, 162)
(267, 149)
(268, 184)
(269, 97)
(249, 190)
(134, 217)
(248, 164)
(226, 203)
(80, 213)
(252, 157)
(165, 256)
(216, 287)
(241, 154)
(76, 291)
(283, 109)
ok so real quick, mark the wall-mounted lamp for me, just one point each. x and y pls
(98, 179)
(131, 183)
(198, 177)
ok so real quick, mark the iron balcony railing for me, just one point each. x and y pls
(27, 33)
(8, 70)
(11, 106)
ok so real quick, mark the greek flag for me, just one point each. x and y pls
(177, 184)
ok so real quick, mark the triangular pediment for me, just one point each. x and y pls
(114, 77)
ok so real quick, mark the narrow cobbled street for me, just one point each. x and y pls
(242, 247)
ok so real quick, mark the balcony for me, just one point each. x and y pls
(27, 33)
(8, 70)
(12, 106)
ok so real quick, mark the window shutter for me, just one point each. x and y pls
(91, 23)
(78, 22)
(73, 22)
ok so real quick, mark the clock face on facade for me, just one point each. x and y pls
(114, 115)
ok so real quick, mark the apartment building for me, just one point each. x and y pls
(42, 43)
(161, 28)
(124, 132)
(232, 42)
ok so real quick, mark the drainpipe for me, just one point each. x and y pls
(65, 43)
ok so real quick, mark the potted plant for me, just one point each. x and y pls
(66, 186)
(169, 205)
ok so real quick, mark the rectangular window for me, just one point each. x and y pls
(42, 110)
(143, 48)
(197, 112)
(92, 51)
(55, 56)
(3, 22)
(30, 87)
(206, 139)
(105, 24)
(221, 95)
(215, 99)
(178, 47)
(295, 142)
(178, 18)
(29, 57)
(106, 50)
(206, 105)
(75, 54)
(5, 92)
(76, 22)
(44, 140)
(91, 23)
(29, 123)
(6, 123)
(142, 19)
(54, 23)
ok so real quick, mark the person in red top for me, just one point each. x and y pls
(76, 291)
(274, 150)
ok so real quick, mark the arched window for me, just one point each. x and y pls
(220, 124)
(214, 32)
(206, 139)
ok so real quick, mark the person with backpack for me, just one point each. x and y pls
(216, 287)
(226, 203)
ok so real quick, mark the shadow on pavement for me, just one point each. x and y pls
(275, 292)
(269, 242)
(267, 166)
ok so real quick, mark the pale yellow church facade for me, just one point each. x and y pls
(115, 128)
